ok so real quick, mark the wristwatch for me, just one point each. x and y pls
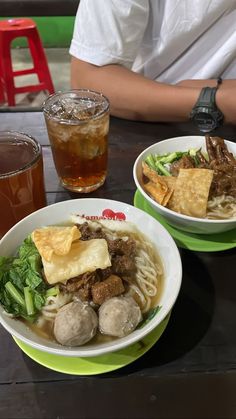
(205, 112)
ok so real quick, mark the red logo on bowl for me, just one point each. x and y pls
(108, 213)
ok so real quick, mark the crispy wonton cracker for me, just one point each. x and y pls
(84, 256)
(160, 188)
(191, 192)
(157, 191)
(54, 240)
(150, 173)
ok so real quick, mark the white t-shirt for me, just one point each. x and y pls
(165, 40)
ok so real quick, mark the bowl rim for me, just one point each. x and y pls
(165, 209)
(119, 343)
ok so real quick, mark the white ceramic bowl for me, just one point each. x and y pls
(180, 221)
(60, 212)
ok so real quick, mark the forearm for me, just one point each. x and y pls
(133, 96)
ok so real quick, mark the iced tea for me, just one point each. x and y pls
(21, 178)
(78, 124)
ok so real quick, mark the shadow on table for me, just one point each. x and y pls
(190, 320)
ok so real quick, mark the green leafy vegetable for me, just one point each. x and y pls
(149, 317)
(52, 291)
(150, 160)
(15, 294)
(161, 169)
(29, 301)
(161, 162)
(22, 289)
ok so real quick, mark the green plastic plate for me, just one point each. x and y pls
(99, 364)
(197, 242)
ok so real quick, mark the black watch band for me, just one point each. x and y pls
(207, 95)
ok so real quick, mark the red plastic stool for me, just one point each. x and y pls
(9, 30)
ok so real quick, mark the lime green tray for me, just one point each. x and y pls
(99, 364)
(197, 242)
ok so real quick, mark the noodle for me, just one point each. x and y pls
(53, 304)
(221, 207)
(147, 273)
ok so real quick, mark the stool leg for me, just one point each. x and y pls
(7, 71)
(2, 96)
(40, 61)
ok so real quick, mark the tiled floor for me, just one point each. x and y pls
(59, 65)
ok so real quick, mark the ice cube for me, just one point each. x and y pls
(86, 109)
(68, 108)
(56, 109)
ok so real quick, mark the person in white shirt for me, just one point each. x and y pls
(151, 58)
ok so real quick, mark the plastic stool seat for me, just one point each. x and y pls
(19, 23)
(9, 30)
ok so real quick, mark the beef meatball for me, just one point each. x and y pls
(119, 316)
(75, 324)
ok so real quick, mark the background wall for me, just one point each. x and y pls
(55, 31)
(54, 19)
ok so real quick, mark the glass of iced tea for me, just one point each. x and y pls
(78, 124)
(21, 178)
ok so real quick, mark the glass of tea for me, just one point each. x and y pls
(78, 124)
(21, 178)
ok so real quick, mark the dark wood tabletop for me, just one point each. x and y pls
(191, 371)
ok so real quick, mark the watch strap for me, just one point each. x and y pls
(207, 96)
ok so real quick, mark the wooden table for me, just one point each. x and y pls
(190, 372)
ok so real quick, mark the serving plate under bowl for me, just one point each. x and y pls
(94, 365)
(60, 213)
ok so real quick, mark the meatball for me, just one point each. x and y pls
(119, 316)
(75, 324)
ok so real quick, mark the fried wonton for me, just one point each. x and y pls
(157, 191)
(84, 256)
(191, 192)
(160, 188)
(150, 173)
(54, 240)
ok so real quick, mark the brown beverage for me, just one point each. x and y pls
(78, 124)
(21, 178)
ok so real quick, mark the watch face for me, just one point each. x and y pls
(205, 122)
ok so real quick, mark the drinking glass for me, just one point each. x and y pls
(78, 123)
(21, 178)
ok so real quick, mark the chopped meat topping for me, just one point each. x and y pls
(87, 233)
(224, 165)
(110, 287)
(123, 265)
(121, 247)
(186, 162)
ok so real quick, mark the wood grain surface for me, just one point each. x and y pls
(191, 371)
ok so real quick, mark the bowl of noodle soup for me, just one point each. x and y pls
(194, 209)
(121, 248)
